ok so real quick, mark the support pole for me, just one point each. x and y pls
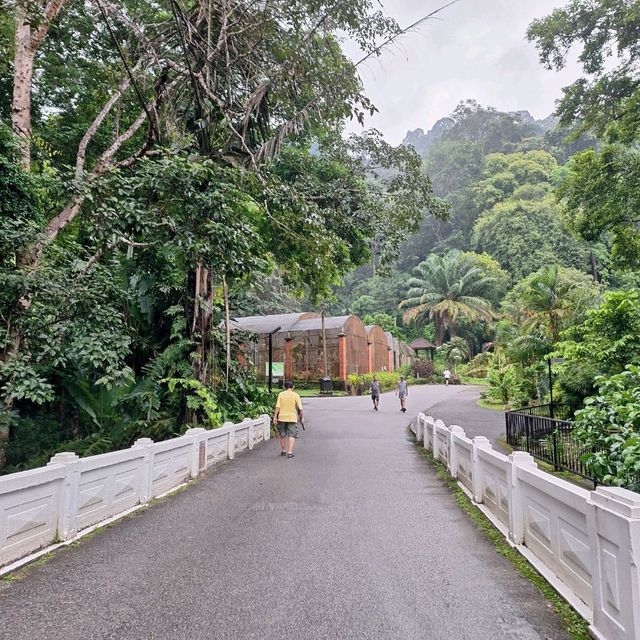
(324, 345)
(550, 389)
(270, 361)
(271, 357)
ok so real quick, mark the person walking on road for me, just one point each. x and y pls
(447, 376)
(287, 412)
(402, 391)
(375, 392)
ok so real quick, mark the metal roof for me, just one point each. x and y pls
(266, 324)
(315, 324)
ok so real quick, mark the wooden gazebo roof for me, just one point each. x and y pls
(422, 343)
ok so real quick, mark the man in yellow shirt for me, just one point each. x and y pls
(288, 409)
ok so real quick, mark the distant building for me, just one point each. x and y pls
(378, 348)
(351, 348)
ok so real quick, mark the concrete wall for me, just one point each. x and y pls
(54, 503)
(586, 543)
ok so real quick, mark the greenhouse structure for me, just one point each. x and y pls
(299, 353)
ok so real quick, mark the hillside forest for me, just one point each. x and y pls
(167, 166)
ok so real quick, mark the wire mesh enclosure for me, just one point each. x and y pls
(312, 348)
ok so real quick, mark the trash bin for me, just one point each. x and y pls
(326, 385)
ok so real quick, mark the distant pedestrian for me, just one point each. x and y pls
(287, 412)
(402, 391)
(375, 392)
(447, 376)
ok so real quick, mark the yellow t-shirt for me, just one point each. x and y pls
(287, 403)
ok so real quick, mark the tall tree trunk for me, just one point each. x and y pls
(594, 267)
(4, 439)
(439, 331)
(201, 325)
(22, 76)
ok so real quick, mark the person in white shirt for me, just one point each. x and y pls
(447, 376)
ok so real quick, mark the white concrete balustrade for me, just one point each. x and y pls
(54, 503)
(586, 543)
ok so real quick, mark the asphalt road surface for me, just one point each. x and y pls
(354, 537)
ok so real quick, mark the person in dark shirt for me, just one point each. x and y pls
(375, 392)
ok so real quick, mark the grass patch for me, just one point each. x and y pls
(487, 404)
(22, 572)
(577, 627)
(471, 380)
(315, 393)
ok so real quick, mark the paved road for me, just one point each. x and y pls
(355, 537)
(464, 411)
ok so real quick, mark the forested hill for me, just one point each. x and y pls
(422, 141)
(499, 173)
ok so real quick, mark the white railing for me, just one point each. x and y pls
(586, 543)
(54, 503)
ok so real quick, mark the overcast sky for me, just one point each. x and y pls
(475, 49)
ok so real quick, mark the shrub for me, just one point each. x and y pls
(609, 427)
(422, 368)
(505, 384)
(387, 379)
(479, 365)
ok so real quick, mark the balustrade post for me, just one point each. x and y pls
(479, 442)
(199, 450)
(266, 426)
(516, 499)
(147, 468)
(231, 440)
(68, 512)
(420, 425)
(453, 451)
(615, 545)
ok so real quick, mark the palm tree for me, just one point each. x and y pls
(551, 298)
(446, 288)
(456, 350)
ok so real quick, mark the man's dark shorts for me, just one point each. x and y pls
(288, 429)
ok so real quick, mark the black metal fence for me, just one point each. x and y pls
(545, 431)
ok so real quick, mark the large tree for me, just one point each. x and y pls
(552, 299)
(520, 224)
(172, 163)
(601, 193)
(447, 288)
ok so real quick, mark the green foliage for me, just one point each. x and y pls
(550, 300)
(384, 320)
(524, 235)
(387, 379)
(601, 197)
(479, 365)
(447, 288)
(200, 399)
(601, 192)
(606, 32)
(505, 383)
(602, 345)
(455, 351)
(609, 429)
